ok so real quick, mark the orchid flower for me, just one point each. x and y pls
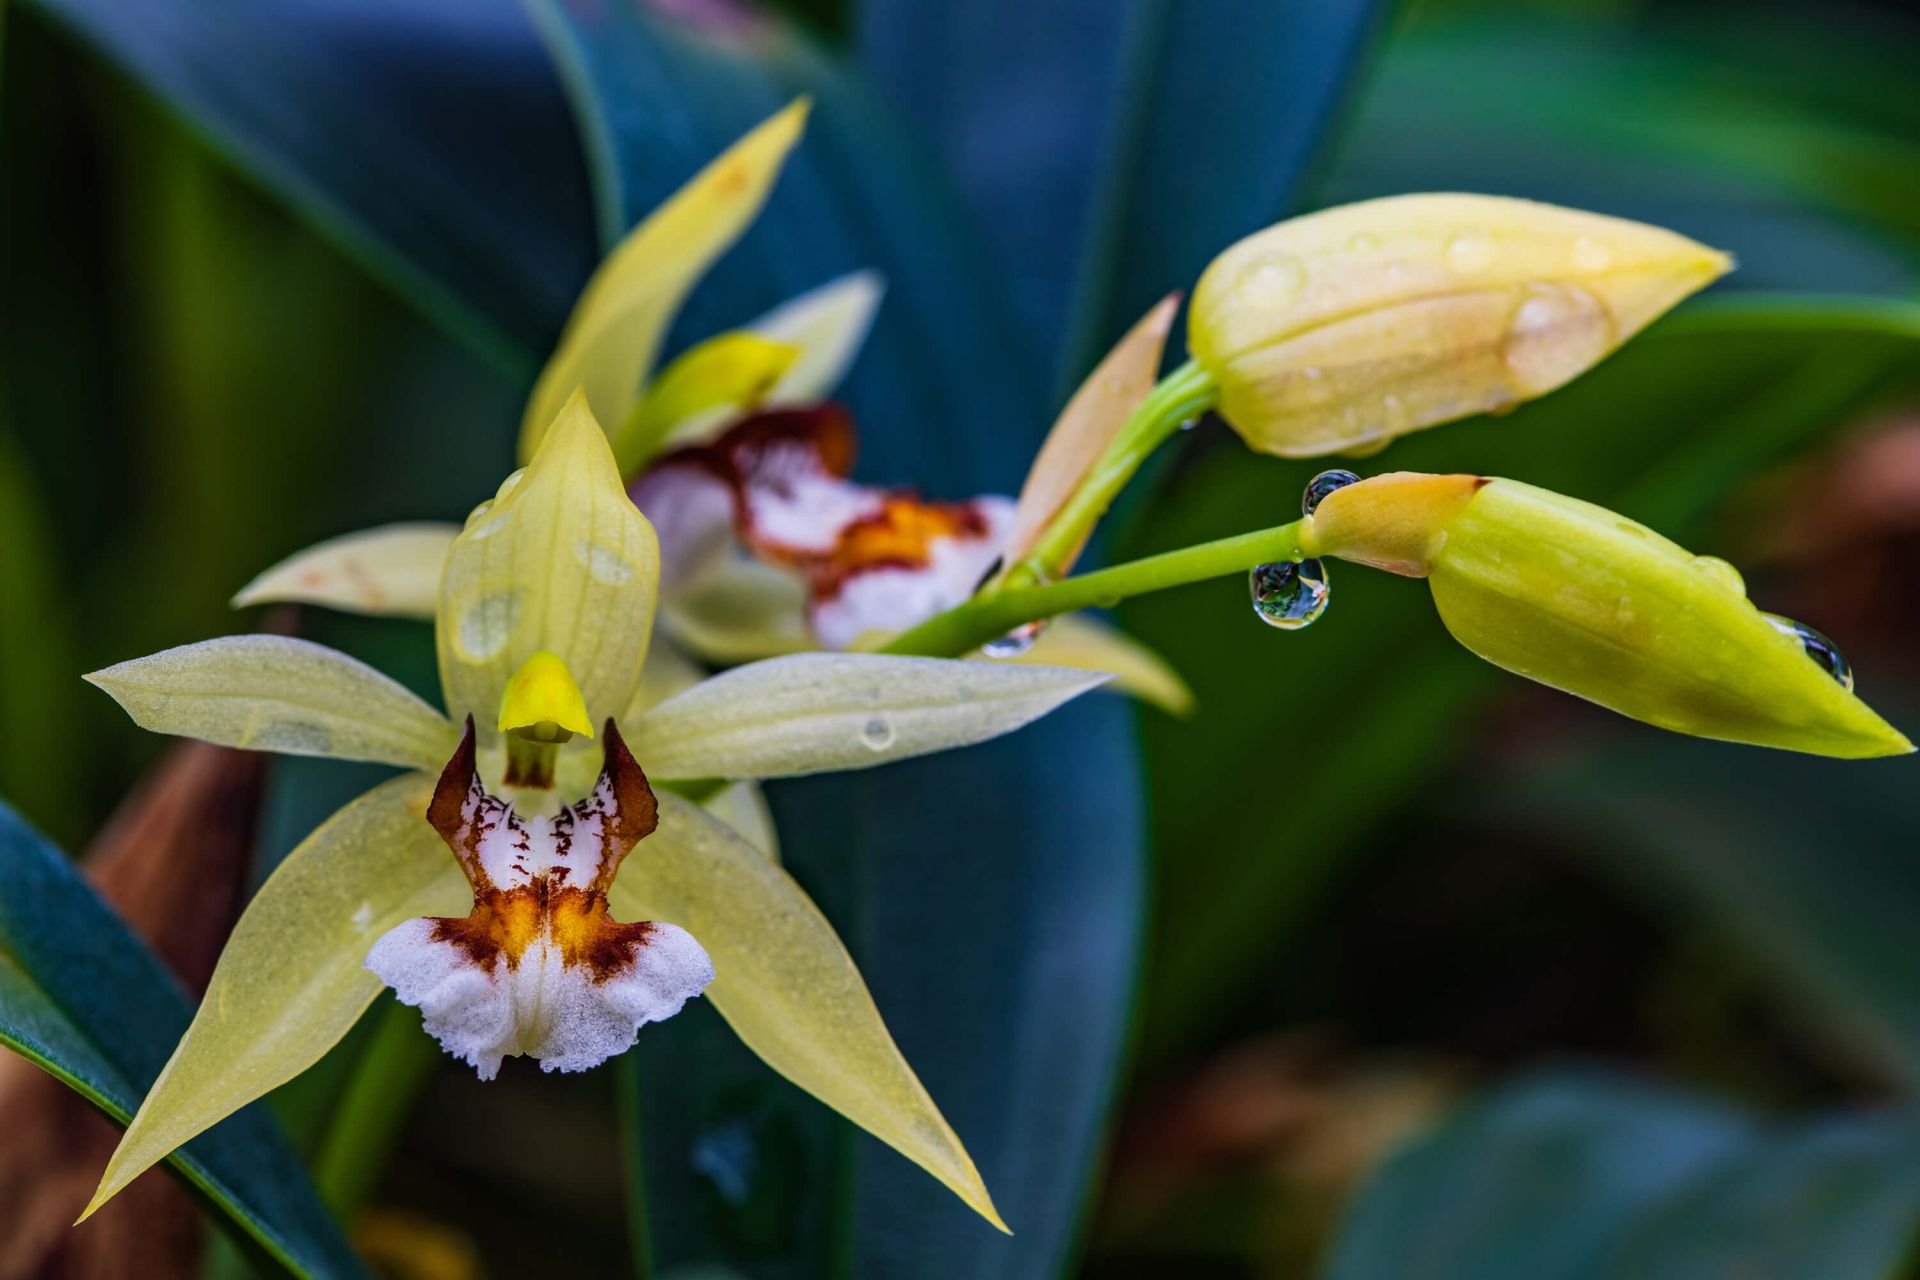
(843, 565)
(514, 942)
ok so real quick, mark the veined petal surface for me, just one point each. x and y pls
(560, 560)
(393, 570)
(788, 987)
(278, 693)
(290, 982)
(1087, 644)
(616, 328)
(814, 712)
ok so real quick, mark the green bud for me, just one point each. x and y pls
(1338, 331)
(1589, 602)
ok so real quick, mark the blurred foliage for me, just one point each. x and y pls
(193, 383)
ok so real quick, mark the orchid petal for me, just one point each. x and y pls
(741, 610)
(788, 987)
(277, 693)
(813, 712)
(559, 560)
(902, 565)
(393, 570)
(743, 807)
(1087, 644)
(716, 379)
(1089, 423)
(616, 328)
(289, 983)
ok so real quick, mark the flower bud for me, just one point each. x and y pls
(1338, 331)
(1589, 602)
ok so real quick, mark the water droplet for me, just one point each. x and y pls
(1556, 333)
(604, 564)
(479, 513)
(1818, 647)
(1016, 643)
(1322, 485)
(1313, 373)
(1722, 572)
(1287, 594)
(1363, 242)
(1271, 280)
(511, 483)
(877, 734)
(1470, 251)
(362, 917)
(1590, 255)
(1190, 423)
(487, 624)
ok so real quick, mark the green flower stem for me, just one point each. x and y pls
(1176, 399)
(965, 628)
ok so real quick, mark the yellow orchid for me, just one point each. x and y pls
(544, 613)
(727, 599)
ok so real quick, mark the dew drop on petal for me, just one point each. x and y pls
(1271, 280)
(511, 483)
(604, 564)
(1590, 255)
(1289, 594)
(1556, 333)
(1017, 643)
(487, 624)
(1322, 485)
(1818, 647)
(877, 734)
(1363, 242)
(1470, 251)
(1721, 572)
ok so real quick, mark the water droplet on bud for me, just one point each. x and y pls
(1016, 643)
(1818, 647)
(877, 734)
(1271, 281)
(1470, 251)
(1556, 333)
(1288, 594)
(1722, 572)
(1322, 485)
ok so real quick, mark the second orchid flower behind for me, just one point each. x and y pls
(514, 943)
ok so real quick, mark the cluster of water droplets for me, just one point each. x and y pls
(1291, 594)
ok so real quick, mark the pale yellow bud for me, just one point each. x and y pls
(1338, 331)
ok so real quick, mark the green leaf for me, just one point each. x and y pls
(1805, 868)
(1661, 432)
(81, 998)
(345, 109)
(1153, 133)
(1581, 1176)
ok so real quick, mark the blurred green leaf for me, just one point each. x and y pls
(1808, 869)
(1655, 119)
(1586, 1177)
(1312, 738)
(428, 139)
(81, 998)
(37, 692)
(1109, 148)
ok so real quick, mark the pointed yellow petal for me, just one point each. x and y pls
(559, 560)
(788, 987)
(827, 326)
(276, 693)
(815, 712)
(543, 691)
(724, 377)
(616, 328)
(1087, 644)
(1088, 425)
(393, 570)
(290, 982)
